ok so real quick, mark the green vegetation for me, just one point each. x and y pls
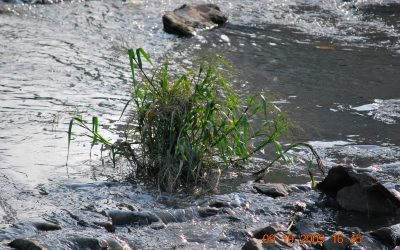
(182, 128)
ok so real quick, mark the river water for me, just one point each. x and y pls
(333, 67)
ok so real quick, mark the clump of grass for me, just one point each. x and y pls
(182, 128)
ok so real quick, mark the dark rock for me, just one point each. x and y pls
(46, 226)
(87, 243)
(187, 19)
(271, 229)
(331, 244)
(120, 218)
(359, 191)
(219, 203)
(207, 211)
(253, 244)
(389, 236)
(273, 190)
(26, 244)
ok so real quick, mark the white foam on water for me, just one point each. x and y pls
(386, 111)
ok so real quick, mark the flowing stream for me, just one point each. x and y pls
(333, 67)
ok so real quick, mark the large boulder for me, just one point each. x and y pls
(187, 19)
(359, 191)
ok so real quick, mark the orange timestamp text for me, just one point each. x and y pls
(312, 238)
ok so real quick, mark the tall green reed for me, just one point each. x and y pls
(182, 128)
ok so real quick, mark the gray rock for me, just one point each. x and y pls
(273, 190)
(26, 244)
(141, 218)
(389, 236)
(157, 225)
(253, 244)
(187, 19)
(359, 191)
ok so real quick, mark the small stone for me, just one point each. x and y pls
(300, 206)
(157, 225)
(207, 211)
(253, 244)
(273, 190)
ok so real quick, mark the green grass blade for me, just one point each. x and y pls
(144, 54)
(132, 63)
(125, 107)
(139, 59)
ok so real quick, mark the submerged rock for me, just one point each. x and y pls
(357, 191)
(273, 190)
(189, 18)
(26, 244)
(120, 218)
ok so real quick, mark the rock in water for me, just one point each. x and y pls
(46, 226)
(273, 190)
(26, 244)
(142, 218)
(189, 18)
(357, 191)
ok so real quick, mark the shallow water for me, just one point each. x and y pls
(332, 67)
